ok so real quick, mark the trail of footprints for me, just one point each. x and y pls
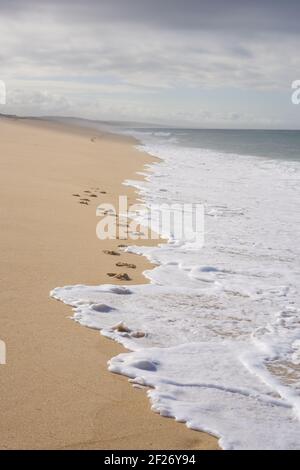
(123, 264)
(85, 199)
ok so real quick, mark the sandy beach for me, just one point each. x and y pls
(55, 390)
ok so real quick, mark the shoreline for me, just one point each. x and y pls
(56, 382)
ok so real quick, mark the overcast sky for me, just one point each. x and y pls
(187, 63)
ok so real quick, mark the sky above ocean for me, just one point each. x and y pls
(193, 63)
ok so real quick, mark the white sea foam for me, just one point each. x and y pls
(217, 331)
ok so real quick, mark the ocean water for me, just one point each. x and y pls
(216, 334)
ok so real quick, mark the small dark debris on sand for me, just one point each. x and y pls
(102, 192)
(111, 252)
(111, 274)
(93, 195)
(76, 195)
(128, 265)
(84, 202)
(122, 246)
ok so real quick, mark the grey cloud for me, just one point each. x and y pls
(182, 40)
(255, 15)
(139, 46)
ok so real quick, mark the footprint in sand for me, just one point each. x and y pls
(127, 265)
(120, 277)
(111, 252)
(123, 277)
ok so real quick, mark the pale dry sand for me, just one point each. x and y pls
(55, 390)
